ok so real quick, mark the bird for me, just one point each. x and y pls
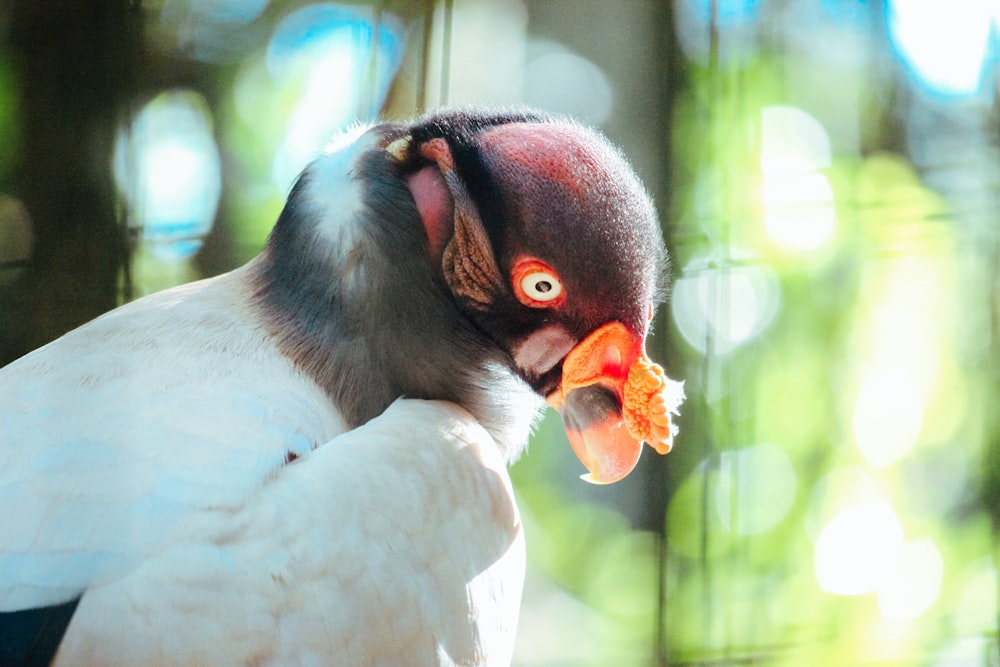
(303, 461)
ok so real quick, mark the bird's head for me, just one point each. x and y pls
(418, 259)
(547, 241)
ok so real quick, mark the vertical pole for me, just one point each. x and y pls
(77, 64)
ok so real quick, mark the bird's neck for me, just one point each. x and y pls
(370, 324)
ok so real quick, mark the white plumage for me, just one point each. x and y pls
(127, 434)
(307, 569)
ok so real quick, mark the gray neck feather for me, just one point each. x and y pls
(370, 324)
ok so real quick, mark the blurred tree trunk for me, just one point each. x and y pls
(77, 64)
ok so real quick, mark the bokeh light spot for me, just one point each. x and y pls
(558, 80)
(914, 585)
(718, 307)
(166, 165)
(901, 368)
(798, 210)
(340, 61)
(756, 488)
(792, 141)
(798, 200)
(844, 486)
(857, 549)
(945, 43)
(888, 413)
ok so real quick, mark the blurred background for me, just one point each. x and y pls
(827, 175)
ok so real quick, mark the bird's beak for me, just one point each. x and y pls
(613, 398)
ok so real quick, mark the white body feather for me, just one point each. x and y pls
(114, 433)
(372, 550)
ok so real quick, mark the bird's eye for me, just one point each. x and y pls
(536, 284)
(541, 286)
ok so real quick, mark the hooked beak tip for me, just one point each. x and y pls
(591, 478)
(598, 435)
(612, 399)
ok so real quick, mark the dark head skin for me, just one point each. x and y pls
(422, 305)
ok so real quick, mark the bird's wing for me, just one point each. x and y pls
(396, 543)
(113, 434)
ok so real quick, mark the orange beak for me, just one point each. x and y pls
(612, 399)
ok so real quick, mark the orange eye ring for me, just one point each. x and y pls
(536, 284)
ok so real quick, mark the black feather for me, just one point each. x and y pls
(31, 637)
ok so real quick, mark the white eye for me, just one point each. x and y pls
(541, 286)
(536, 284)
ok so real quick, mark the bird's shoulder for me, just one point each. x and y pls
(398, 542)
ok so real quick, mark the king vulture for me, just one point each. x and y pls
(303, 461)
